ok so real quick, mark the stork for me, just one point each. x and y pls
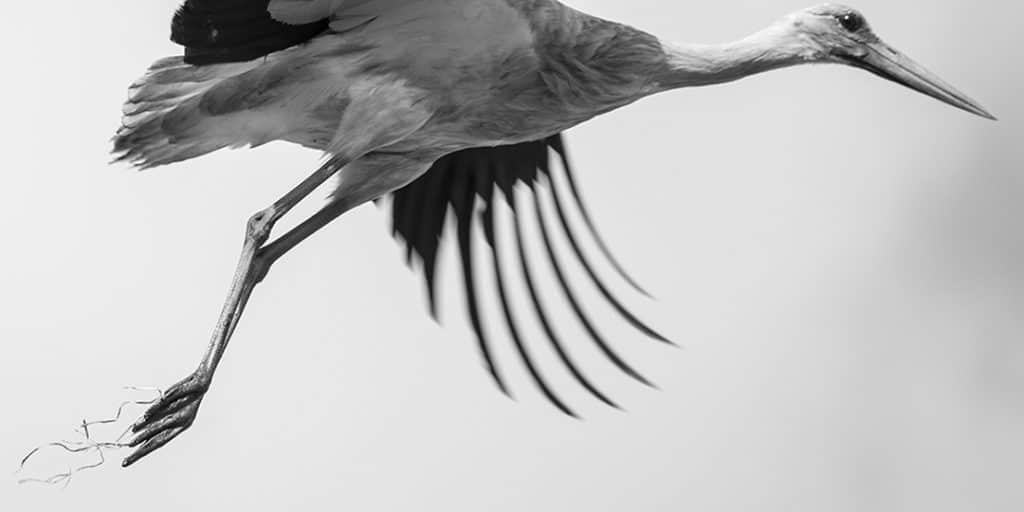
(439, 104)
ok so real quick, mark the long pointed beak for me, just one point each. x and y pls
(886, 62)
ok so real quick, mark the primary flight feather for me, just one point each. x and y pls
(443, 105)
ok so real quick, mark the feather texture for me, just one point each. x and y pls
(162, 122)
(465, 184)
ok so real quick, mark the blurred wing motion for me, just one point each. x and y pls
(465, 185)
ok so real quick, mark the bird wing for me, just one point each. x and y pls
(219, 31)
(465, 185)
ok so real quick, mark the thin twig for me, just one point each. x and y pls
(87, 444)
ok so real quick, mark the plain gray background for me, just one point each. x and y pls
(843, 260)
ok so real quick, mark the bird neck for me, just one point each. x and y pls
(688, 65)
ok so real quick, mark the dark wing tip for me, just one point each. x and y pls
(574, 303)
(487, 218)
(557, 143)
(584, 262)
(462, 205)
(464, 184)
(542, 316)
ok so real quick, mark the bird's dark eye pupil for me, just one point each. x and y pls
(851, 22)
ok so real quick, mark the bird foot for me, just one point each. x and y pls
(168, 416)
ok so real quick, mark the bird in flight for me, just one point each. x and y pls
(439, 105)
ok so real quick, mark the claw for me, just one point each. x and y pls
(169, 416)
(182, 418)
(161, 438)
(174, 399)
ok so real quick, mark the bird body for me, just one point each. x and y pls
(440, 104)
(484, 73)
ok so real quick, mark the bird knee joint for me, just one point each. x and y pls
(259, 225)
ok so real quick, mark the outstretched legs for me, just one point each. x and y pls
(365, 179)
(178, 406)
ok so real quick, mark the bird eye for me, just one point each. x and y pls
(851, 22)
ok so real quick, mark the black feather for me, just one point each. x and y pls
(464, 183)
(463, 195)
(432, 217)
(487, 217)
(558, 146)
(428, 200)
(538, 307)
(585, 263)
(574, 303)
(218, 31)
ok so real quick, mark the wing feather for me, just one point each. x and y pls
(538, 307)
(487, 217)
(219, 31)
(465, 184)
(574, 303)
(594, 278)
(558, 147)
(463, 201)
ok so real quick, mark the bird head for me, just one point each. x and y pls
(840, 34)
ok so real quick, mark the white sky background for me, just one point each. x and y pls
(843, 260)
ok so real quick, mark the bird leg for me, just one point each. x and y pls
(366, 179)
(177, 407)
(379, 115)
(362, 181)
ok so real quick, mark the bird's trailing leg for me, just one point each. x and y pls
(363, 180)
(381, 113)
(177, 407)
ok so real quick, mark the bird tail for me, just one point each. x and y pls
(163, 120)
